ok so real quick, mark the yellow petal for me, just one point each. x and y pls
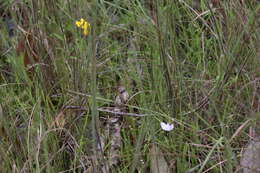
(82, 21)
(85, 32)
(78, 23)
(85, 26)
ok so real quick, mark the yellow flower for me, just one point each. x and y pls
(84, 25)
(79, 23)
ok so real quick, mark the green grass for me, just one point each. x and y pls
(181, 62)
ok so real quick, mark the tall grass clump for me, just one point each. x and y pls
(94, 102)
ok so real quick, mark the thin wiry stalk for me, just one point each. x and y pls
(96, 146)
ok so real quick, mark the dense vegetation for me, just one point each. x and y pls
(194, 64)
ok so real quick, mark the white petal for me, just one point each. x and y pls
(167, 127)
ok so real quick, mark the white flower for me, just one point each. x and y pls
(167, 127)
